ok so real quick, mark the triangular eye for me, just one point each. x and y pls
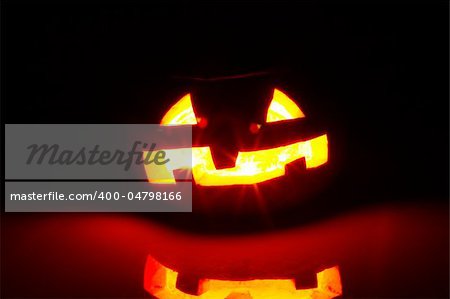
(282, 108)
(181, 113)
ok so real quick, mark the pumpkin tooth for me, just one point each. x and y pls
(188, 284)
(306, 281)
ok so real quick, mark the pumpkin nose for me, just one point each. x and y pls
(223, 158)
(225, 146)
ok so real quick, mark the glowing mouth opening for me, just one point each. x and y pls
(251, 167)
(161, 281)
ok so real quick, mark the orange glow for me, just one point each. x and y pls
(181, 113)
(282, 108)
(160, 282)
(251, 167)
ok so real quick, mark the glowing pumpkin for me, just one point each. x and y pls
(251, 167)
(283, 155)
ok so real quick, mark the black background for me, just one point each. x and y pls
(377, 73)
(378, 70)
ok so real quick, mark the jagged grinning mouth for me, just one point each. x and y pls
(250, 168)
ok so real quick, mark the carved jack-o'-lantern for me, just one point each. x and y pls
(277, 153)
(267, 156)
(255, 166)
